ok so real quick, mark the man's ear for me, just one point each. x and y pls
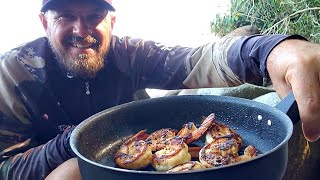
(43, 21)
(113, 20)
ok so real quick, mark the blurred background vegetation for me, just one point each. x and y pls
(272, 17)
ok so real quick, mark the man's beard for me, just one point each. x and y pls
(83, 66)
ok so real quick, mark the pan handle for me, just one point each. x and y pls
(289, 106)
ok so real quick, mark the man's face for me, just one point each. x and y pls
(79, 34)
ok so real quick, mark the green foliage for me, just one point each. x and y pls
(272, 17)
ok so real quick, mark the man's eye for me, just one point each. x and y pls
(96, 17)
(67, 17)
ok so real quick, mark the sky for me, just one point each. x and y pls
(173, 22)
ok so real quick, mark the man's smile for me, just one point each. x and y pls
(82, 45)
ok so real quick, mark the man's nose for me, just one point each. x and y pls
(82, 28)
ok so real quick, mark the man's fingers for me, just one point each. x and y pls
(282, 89)
(295, 64)
(310, 133)
(306, 88)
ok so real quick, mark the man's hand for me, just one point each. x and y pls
(295, 64)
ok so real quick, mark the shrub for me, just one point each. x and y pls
(272, 17)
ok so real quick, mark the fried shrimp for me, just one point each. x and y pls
(134, 153)
(168, 150)
(174, 153)
(157, 139)
(219, 152)
(191, 165)
(191, 133)
(249, 153)
(219, 130)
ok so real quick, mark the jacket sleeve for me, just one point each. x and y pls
(22, 155)
(229, 61)
(154, 65)
(248, 55)
(232, 60)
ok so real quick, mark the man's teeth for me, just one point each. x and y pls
(82, 45)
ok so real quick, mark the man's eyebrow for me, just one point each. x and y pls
(105, 10)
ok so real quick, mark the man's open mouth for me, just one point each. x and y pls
(82, 46)
(82, 43)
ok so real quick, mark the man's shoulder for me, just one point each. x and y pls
(30, 51)
(30, 56)
(39, 47)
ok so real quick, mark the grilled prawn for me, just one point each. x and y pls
(191, 133)
(249, 153)
(219, 152)
(175, 152)
(157, 139)
(134, 153)
(191, 165)
(219, 130)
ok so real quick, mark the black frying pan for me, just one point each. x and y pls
(96, 139)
